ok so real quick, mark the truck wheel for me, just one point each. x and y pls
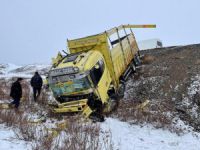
(115, 104)
(121, 90)
(97, 117)
(138, 60)
(133, 67)
(112, 104)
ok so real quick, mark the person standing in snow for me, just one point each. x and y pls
(16, 92)
(36, 83)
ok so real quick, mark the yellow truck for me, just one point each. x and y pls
(91, 78)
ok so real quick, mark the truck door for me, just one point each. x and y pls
(101, 79)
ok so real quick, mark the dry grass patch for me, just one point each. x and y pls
(77, 134)
(11, 117)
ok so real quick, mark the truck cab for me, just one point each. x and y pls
(78, 80)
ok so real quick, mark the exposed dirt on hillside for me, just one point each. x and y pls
(170, 79)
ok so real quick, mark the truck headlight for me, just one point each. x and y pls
(76, 69)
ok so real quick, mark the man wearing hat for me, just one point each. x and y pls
(16, 92)
(36, 83)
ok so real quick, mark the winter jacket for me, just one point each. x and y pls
(36, 81)
(16, 90)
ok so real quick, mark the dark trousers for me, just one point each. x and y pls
(36, 92)
(16, 102)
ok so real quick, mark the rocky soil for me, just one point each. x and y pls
(170, 79)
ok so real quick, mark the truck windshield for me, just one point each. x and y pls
(69, 87)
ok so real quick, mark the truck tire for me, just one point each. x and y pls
(133, 67)
(121, 90)
(97, 108)
(138, 60)
(113, 104)
(97, 117)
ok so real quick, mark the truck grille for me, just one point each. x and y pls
(63, 99)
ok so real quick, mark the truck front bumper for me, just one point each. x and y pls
(73, 106)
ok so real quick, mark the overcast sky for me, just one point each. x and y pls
(32, 31)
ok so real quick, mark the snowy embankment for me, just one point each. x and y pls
(124, 137)
(27, 71)
(8, 141)
(135, 137)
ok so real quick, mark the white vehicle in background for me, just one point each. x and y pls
(150, 44)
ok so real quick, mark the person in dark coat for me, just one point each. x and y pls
(36, 83)
(16, 92)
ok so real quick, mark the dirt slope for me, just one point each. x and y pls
(170, 79)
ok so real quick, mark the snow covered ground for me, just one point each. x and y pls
(124, 136)
(8, 141)
(27, 71)
(134, 137)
